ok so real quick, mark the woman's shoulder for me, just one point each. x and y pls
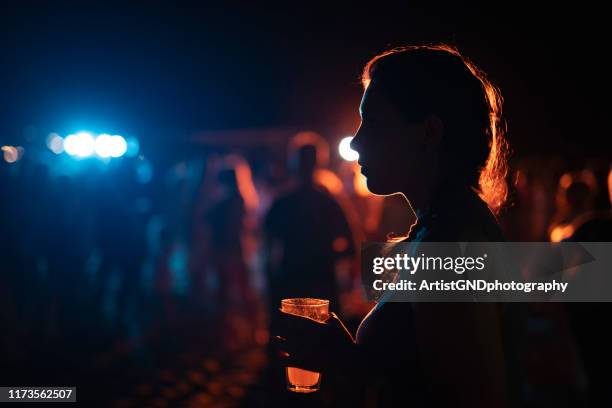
(467, 229)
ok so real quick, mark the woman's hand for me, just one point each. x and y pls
(313, 345)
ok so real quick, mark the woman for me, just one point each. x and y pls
(430, 130)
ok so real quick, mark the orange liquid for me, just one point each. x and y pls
(298, 379)
(303, 380)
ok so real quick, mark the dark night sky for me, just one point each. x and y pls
(167, 71)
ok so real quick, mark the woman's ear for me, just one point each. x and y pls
(434, 130)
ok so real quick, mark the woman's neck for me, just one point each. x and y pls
(445, 196)
(420, 197)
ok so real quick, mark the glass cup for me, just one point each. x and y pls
(298, 379)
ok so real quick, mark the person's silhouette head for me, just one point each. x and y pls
(307, 152)
(577, 192)
(305, 163)
(429, 118)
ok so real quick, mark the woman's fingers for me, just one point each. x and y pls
(308, 343)
(285, 347)
(299, 339)
(280, 344)
(296, 354)
(297, 326)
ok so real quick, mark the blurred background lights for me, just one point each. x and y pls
(55, 143)
(10, 154)
(81, 144)
(144, 171)
(84, 144)
(104, 146)
(344, 148)
(133, 147)
(118, 146)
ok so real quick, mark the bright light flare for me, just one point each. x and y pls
(344, 148)
(104, 146)
(118, 146)
(55, 143)
(84, 144)
(110, 146)
(81, 144)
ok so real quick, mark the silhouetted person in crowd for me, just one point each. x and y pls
(596, 224)
(121, 239)
(430, 131)
(575, 199)
(65, 253)
(306, 233)
(225, 221)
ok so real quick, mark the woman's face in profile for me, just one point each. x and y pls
(393, 153)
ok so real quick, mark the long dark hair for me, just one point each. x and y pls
(436, 79)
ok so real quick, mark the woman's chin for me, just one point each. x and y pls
(377, 188)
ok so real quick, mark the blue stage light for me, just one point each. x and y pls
(118, 146)
(55, 143)
(104, 146)
(133, 147)
(81, 144)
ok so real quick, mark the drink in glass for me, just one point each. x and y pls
(298, 379)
